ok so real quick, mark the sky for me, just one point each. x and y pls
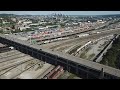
(62, 12)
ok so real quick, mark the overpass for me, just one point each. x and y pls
(82, 68)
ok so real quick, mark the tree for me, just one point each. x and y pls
(112, 57)
(13, 26)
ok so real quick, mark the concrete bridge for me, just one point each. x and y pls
(82, 68)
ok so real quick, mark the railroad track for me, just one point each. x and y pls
(88, 38)
(27, 69)
(11, 58)
(46, 72)
(11, 68)
(33, 74)
(14, 62)
(10, 55)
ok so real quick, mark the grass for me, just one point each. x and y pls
(103, 45)
(1, 31)
(91, 56)
(72, 51)
(63, 76)
(99, 50)
(87, 49)
(62, 48)
(95, 42)
(71, 76)
(83, 55)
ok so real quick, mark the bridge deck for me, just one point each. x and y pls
(90, 64)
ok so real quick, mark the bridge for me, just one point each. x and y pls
(82, 68)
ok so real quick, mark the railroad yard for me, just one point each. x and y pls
(86, 46)
(85, 38)
(17, 65)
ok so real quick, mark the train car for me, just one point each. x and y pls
(57, 73)
(46, 41)
(57, 67)
(88, 43)
(54, 70)
(62, 72)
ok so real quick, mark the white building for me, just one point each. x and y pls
(27, 22)
(14, 19)
(23, 28)
(4, 22)
(34, 24)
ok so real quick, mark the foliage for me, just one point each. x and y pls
(91, 56)
(1, 31)
(112, 57)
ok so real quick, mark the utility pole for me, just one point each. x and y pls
(30, 39)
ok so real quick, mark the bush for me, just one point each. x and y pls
(112, 57)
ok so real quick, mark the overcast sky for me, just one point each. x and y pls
(62, 12)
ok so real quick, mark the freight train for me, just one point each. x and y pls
(55, 73)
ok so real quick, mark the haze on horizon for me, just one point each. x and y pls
(61, 12)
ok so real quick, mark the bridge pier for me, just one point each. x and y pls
(101, 74)
(68, 69)
(77, 69)
(87, 76)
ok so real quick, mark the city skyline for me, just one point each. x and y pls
(60, 12)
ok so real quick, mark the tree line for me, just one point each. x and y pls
(112, 57)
